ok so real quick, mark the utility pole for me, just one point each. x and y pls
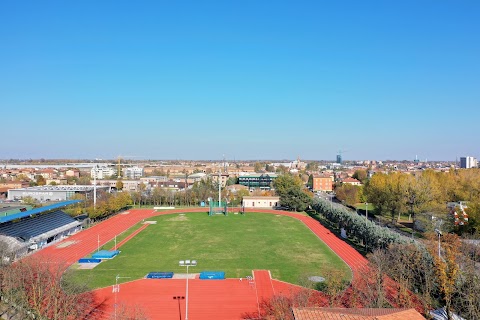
(219, 188)
(115, 290)
(95, 188)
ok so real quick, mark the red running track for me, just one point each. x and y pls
(133, 234)
(209, 299)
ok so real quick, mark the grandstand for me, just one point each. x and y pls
(30, 230)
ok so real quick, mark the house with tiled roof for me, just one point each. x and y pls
(356, 314)
(352, 181)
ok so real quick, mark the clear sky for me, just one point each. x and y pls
(246, 79)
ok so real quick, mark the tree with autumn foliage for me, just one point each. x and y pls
(446, 264)
(37, 288)
(427, 191)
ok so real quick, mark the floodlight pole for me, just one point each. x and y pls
(187, 263)
(178, 298)
(219, 189)
(95, 188)
(116, 289)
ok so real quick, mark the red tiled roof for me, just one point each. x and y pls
(355, 314)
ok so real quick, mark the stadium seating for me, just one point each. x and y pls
(44, 225)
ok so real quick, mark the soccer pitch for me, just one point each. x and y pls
(236, 244)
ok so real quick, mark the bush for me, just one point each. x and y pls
(356, 226)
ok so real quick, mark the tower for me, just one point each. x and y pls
(339, 157)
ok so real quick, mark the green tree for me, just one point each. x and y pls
(40, 180)
(349, 193)
(291, 192)
(282, 169)
(312, 166)
(259, 166)
(119, 184)
(232, 180)
(269, 168)
(84, 180)
(310, 181)
(29, 201)
(360, 175)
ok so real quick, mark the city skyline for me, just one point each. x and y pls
(251, 80)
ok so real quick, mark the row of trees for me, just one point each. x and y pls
(289, 188)
(438, 278)
(428, 191)
(440, 270)
(358, 228)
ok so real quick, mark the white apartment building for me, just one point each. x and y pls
(102, 172)
(468, 162)
(133, 173)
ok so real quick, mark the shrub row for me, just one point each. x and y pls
(356, 226)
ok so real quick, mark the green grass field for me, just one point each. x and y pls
(236, 244)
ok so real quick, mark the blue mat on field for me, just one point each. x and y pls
(89, 260)
(160, 275)
(212, 275)
(105, 254)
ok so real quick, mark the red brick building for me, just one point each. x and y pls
(322, 183)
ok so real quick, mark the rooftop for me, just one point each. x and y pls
(75, 188)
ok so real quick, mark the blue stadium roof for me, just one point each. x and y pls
(37, 210)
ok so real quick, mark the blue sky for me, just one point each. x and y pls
(247, 79)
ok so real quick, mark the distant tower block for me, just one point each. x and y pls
(339, 158)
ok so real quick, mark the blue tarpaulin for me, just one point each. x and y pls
(89, 260)
(212, 275)
(105, 254)
(160, 275)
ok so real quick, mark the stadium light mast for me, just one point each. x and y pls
(219, 189)
(187, 263)
(116, 289)
(95, 187)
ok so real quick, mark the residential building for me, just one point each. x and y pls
(352, 181)
(102, 172)
(258, 181)
(72, 173)
(128, 185)
(234, 188)
(261, 202)
(133, 173)
(322, 183)
(154, 179)
(223, 178)
(197, 176)
(468, 162)
(172, 185)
